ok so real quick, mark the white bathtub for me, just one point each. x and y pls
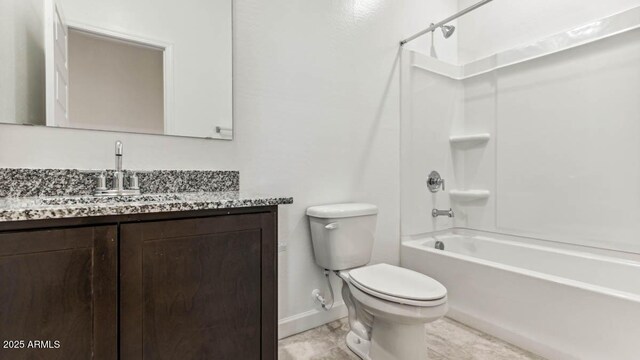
(556, 302)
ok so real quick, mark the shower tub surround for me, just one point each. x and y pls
(39, 194)
(555, 270)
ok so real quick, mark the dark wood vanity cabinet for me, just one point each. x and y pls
(193, 288)
(188, 286)
(58, 293)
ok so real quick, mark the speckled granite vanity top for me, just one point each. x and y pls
(38, 194)
(39, 208)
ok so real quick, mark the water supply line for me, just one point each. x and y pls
(321, 299)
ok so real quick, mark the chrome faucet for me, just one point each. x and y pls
(118, 179)
(118, 176)
(435, 213)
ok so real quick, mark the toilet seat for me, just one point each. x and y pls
(398, 285)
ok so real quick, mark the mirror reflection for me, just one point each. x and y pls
(154, 67)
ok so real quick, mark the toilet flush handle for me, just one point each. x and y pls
(332, 226)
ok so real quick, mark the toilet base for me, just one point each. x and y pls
(359, 346)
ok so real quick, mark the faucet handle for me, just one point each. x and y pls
(101, 181)
(435, 181)
(134, 183)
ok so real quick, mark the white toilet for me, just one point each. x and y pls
(388, 305)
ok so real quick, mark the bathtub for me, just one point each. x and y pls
(560, 303)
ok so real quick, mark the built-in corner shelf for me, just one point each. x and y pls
(469, 195)
(470, 139)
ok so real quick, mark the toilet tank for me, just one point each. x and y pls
(342, 234)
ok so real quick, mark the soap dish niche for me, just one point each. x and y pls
(469, 195)
(470, 140)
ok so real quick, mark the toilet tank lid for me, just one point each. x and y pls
(335, 211)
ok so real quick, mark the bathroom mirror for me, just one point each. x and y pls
(153, 67)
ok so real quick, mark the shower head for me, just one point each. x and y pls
(447, 30)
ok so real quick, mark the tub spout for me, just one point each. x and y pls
(435, 213)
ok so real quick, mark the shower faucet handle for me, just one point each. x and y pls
(435, 181)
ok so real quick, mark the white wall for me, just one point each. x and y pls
(503, 24)
(22, 78)
(316, 89)
(200, 32)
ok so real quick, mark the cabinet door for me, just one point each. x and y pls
(199, 288)
(58, 294)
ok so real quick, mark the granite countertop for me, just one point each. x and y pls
(40, 208)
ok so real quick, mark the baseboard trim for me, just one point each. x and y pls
(310, 319)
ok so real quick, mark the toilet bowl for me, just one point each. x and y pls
(393, 304)
(388, 306)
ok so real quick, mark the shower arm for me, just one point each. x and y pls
(445, 21)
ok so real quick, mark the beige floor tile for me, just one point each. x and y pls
(455, 340)
(445, 338)
(306, 347)
(337, 353)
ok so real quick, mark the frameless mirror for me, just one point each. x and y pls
(155, 67)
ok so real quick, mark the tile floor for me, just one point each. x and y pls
(446, 339)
